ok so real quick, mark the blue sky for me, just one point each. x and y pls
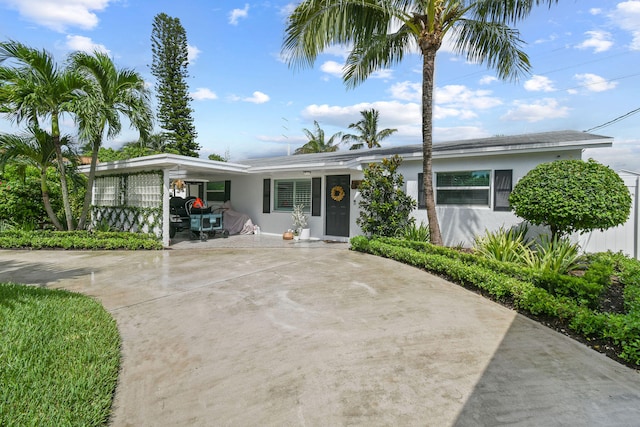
(248, 103)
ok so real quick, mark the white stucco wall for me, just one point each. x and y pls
(246, 197)
(460, 224)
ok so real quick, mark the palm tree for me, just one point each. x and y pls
(316, 143)
(36, 148)
(368, 127)
(32, 88)
(383, 31)
(110, 94)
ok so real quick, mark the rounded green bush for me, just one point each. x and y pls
(572, 196)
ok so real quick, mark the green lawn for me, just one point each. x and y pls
(59, 358)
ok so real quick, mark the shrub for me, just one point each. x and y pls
(384, 206)
(43, 239)
(416, 233)
(554, 254)
(503, 245)
(572, 196)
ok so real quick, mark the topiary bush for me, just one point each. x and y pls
(572, 196)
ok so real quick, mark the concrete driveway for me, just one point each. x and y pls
(317, 335)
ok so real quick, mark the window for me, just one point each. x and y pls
(502, 183)
(218, 191)
(470, 188)
(292, 192)
(463, 188)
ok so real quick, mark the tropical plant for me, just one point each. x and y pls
(35, 147)
(169, 67)
(381, 32)
(34, 87)
(317, 143)
(416, 233)
(572, 196)
(385, 208)
(299, 217)
(111, 93)
(504, 245)
(368, 131)
(553, 254)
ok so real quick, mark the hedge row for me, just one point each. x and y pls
(95, 240)
(509, 282)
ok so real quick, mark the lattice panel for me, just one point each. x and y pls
(135, 220)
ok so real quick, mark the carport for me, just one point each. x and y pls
(133, 195)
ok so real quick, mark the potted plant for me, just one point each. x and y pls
(300, 222)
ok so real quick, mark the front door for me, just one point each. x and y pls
(338, 198)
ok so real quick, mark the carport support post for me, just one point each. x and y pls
(165, 208)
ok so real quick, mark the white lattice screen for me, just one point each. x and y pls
(129, 202)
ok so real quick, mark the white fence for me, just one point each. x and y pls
(626, 237)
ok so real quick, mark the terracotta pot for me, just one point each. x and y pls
(287, 235)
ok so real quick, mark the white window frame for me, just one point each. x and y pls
(302, 189)
(487, 188)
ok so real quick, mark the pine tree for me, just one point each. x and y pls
(169, 67)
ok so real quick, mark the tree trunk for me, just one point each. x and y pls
(55, 136)
(428, 71)
(88, 194)
(47, 202)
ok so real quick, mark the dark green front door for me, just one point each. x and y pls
(337, 207)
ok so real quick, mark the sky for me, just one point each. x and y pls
(248, 102)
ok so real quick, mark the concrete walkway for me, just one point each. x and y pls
(317, 335)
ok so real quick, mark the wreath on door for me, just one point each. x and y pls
(337, 193)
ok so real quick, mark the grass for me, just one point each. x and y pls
(59, 358)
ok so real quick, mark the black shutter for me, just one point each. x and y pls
(227, 191)
(316, 196)
(421, 203)
(266, 195)
(502, 182)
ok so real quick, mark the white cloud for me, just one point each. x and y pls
(333, 68)
(458, 133)
(85, 44)
(536, 111)
(551, 38)
(600, 41)
(382, 74)
(392, 113)
(192, 53)
(485, 80)
(202, 93)
(406, 91)
(594, 83)
(595, 11)
(236, 14)
(60, 14)
(462, 97)
(539, 84)
(257, 98)
(340, 51)
(625, 154)
(627, 17)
